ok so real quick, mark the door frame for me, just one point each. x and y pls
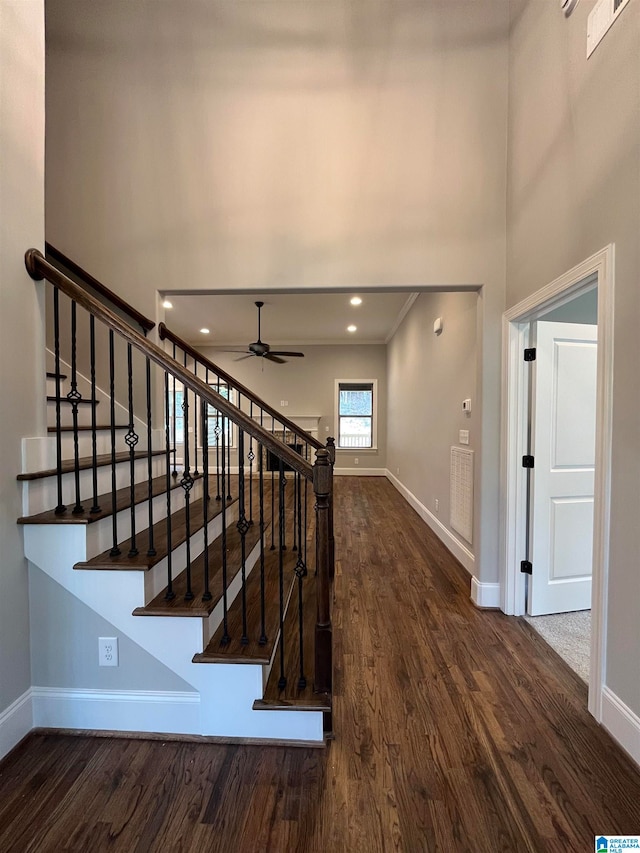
(598, 270)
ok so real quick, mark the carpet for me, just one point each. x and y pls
(570, 635)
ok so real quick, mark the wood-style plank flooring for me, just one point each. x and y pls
(456, 730)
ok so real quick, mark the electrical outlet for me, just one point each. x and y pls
(437, 505)
(284, 403)
(108, 651)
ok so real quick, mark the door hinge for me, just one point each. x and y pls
(527, 461)
(526, 567)
(530, 354)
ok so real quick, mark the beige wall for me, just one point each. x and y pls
(277, 145)
(308, 385)
(429, 376)
(574, 186)
(22, 380)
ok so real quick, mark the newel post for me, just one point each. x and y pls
(323, 490)
(331, 447)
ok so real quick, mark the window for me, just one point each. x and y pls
(356, 407)
(215, 419)
(176, 424)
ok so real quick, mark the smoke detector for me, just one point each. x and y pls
(568, 6)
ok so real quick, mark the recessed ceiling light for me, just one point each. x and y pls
(167, 304)
(352, 328)
(355, 300)
(204, 331)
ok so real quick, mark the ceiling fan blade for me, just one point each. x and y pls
(271, 356)
(242, 357)
(230, 350)
(288, 354)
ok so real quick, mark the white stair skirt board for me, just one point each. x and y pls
(457, 548)
(485, 595)
(226, 691)
(16, 721)
(621, 723)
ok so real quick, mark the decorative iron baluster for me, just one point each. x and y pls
(243, 526)
(223, 541)
(229, 443)
(301, 573)
(115, 550)
(283, 543)
(187, 484)
(251, 456)
(282, 681)
(60, 508)
(175, 434)
(74, 396)
(169, 594)
(151, 551)
(206, 595)
(195, 423)
(131, 439)
(263, 631)
(217, 431)
(95, 508)
(271, 459)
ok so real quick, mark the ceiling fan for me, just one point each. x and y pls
(263, 350)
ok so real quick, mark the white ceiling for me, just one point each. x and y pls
(298, 318)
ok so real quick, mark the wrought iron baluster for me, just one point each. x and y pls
(175, 416)
(283, 543)
(223, 541)
(229, 443)
(195, 423)
(243, 527)
(115, 550)
(95, 508)
(60, 508)
(169, 594)
(263, 631)
(271, 457)
(187, 484)
(206, 595)
(74, 396)
(218, 430)
(301, 573)
(282, 681)
(151, 551)
(131, 439)
(251, 456)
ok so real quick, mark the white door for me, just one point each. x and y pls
(563, 445)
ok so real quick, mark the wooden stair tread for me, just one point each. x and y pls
(85, 462)
(143, 561)
(83, 401)
(253, 652)
(292, 697)
(86, 428)
(179, 606)
(123, 501)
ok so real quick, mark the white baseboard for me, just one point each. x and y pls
(621, 723)
(485, 595)
(360, 472)
(457, 548)
(116, 710)
(16, 721)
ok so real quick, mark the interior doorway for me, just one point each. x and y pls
(595, 275)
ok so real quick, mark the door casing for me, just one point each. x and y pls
(596, 271)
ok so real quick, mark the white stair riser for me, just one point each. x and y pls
(100, 533)
(42, 494)
(103, 442)
(155, 580)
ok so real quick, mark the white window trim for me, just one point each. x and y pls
(374, 416)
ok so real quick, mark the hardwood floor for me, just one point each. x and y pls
(456, 730)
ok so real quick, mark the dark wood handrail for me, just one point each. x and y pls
(53, 254)
(166, 334)
(39, 267)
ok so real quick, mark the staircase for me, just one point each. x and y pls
(188, 514)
